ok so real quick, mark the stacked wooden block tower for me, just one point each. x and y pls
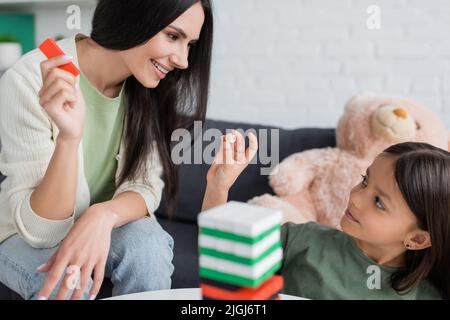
(240, 252)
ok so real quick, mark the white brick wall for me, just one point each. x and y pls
(295, 63)
(51, 20)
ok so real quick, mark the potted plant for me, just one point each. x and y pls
(10, 51)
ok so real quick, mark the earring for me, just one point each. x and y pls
(408, 246)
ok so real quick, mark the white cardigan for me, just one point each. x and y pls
(28, 136)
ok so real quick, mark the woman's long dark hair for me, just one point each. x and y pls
(422, 173)
(151, 115)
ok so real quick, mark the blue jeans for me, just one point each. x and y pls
(140, 259)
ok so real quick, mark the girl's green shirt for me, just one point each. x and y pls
(324, 263)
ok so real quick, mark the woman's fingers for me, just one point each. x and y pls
(57, 74)
(58, 85)
(48, 65)
(84, 282)
(66, 285)
(62, 98)
(53, 277)
(99, 274)
(45, 267)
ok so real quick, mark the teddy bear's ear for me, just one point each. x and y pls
(359, 99)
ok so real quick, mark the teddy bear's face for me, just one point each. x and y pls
(393, 123)
(429, 128)
(372, 123)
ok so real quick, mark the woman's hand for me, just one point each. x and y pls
(84, 250)
(228, 164)
(61, 98)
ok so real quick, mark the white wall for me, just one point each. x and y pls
(51, 20)
(295, 63)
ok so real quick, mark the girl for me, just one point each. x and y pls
(395, 242)
(86, 159)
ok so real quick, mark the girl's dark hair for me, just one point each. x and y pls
(422, 173)
(151, 115)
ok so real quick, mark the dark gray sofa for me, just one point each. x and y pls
(183, 224)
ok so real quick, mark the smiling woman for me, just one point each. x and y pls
(86, 158)
(167, 44)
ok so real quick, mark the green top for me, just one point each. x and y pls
(324, 263)
(101, 140)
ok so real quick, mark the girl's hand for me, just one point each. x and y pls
(84, 250)
(230, 161)
(61, 98)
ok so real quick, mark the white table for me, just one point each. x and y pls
(178, 294)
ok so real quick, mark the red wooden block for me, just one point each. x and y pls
(265, 291)
(51, 50)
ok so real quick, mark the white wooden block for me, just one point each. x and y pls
(240, 218)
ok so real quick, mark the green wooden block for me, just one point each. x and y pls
(238, 280)
(238, 259)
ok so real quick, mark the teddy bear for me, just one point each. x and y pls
(314, 185)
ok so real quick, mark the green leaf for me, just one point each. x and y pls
(8, 38)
